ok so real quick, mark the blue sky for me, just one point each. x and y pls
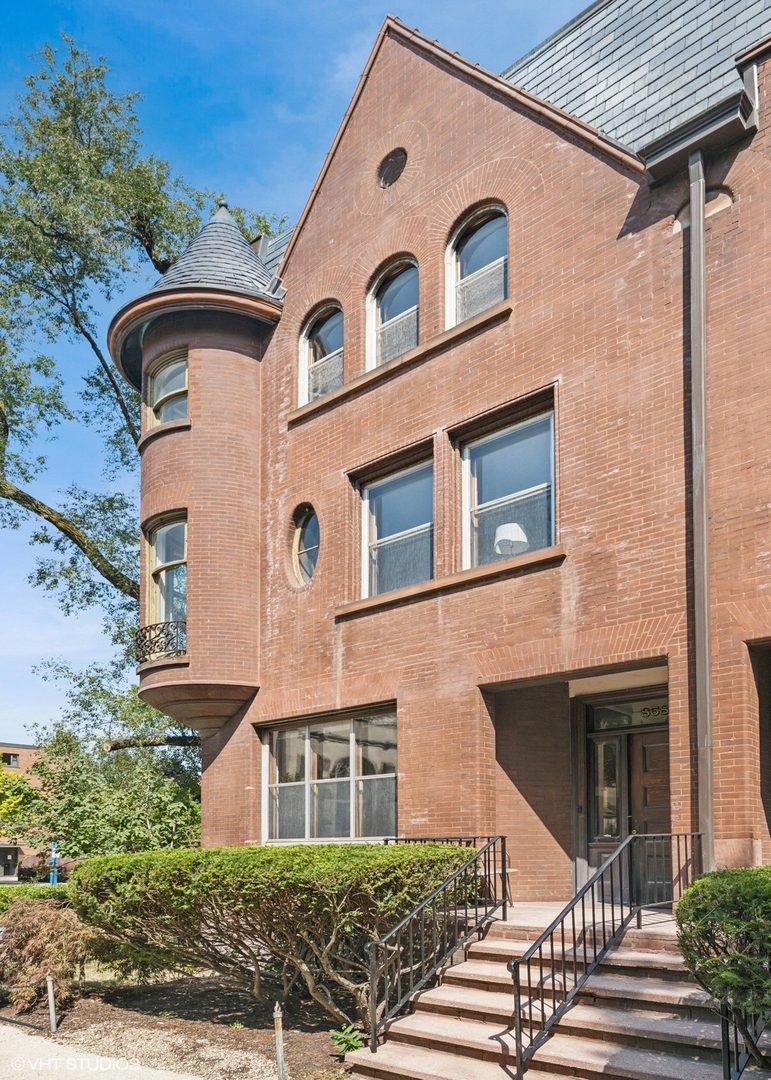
(243, 97)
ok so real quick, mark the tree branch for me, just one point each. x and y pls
(168, 740)
(122, 582)
(108, 370)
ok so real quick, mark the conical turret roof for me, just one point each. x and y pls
(220, 257)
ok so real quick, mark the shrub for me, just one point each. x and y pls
(42, 936)
(724, 924)
(311, 909)
(9, 893)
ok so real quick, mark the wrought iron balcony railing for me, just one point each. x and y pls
(159, 640)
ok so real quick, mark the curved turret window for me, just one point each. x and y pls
(479, 267)
(323, 349)
(167, 390)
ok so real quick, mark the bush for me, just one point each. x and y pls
(724, 924)
(310, 909)
(42, 936)
(9, 893)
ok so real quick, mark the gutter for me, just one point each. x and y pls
(686, 146)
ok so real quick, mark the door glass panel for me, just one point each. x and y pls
(630, 714)
(605, 790)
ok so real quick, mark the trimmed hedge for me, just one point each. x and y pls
(724, 924)
(9, 893)
(307, 909)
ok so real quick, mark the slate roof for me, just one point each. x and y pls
(219, 257)
(637, 69)
(276, 248)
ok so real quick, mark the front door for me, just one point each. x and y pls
(628, 772)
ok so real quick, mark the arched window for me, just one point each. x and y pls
(321, 364)
(396, 314)
(167, 390)
(479, 266)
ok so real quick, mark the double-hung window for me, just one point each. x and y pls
(167, 390)
(323, 347)
(480, 267)
(509, 492)
(168, 555)
(396, 302)
(399, 531)
(333, 780)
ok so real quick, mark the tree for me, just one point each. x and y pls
(83, 210)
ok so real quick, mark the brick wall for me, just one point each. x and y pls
(597, 319)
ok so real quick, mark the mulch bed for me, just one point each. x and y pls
(187, 1025)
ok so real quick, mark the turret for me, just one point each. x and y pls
(192, 346)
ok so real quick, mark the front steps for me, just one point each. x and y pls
(638, 1017)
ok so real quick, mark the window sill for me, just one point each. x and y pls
(478, 575)
(497, 313)
(164, 662)
(163, 429)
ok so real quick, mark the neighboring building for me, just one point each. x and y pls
(429, 548)
(15, 757)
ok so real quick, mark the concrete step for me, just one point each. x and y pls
(640, 962)
(601, 1060)
(685, 998)
(647, 1029)
(467, 1003)
(401, 1062)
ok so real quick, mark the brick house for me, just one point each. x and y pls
(17, 758)
(454, 499)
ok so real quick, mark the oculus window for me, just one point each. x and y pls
(167, 391)
(480, 267)
(396, 304)
(305, 551)
(509, 492)
(323, 350)
(399, 531)
(333, 780)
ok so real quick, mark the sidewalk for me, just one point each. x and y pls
(27, 1056)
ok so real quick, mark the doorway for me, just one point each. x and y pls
(626, 787)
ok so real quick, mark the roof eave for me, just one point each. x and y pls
(717, 128)
(129, 326)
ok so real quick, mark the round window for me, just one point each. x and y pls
(305, 552)
(391, 167)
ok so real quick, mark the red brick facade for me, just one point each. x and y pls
(16, 758)
(481, 665)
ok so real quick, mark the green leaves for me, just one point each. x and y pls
(312, 909)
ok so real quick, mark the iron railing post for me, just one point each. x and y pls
(504, 878)
(517, 1023)
(373, 996)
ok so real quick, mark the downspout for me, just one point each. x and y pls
(702, 643)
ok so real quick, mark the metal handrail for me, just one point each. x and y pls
(577, 940)
(737, 1032)
(409, 956)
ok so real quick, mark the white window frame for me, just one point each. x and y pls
(373, 311)
(451, 268)
(304, 363)
(353, 778)
(154, 404)
(154, 592)
(367, 520)
(467, 485)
